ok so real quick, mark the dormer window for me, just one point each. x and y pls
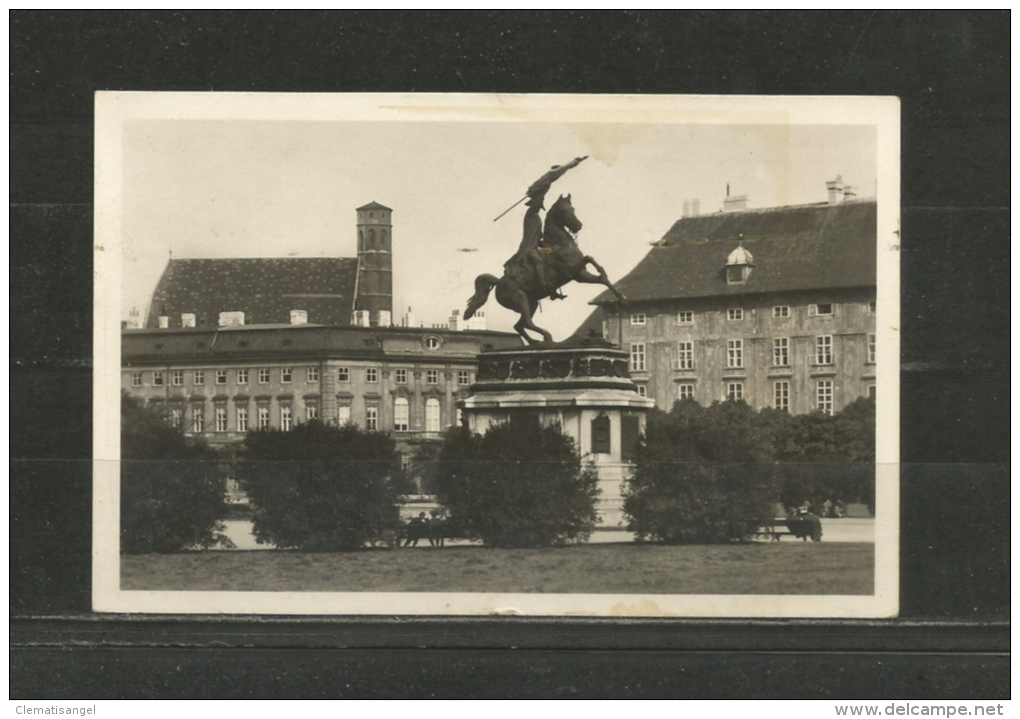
(737, 275)
(738, 265)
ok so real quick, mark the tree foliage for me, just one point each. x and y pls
(713, 474)
(519, 485)
(701, 475)
(320, 487)
(173, 489)
(422, 467)
(827, 457)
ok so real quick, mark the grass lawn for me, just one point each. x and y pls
(762, 568)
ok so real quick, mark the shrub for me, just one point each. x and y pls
(172, 489)
(823, 457)
(519, 485)
(701, 475)
(321, 487)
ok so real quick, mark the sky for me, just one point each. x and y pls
(286, 188)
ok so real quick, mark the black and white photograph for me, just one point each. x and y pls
(535, 355)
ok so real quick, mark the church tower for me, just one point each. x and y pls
(374, 304)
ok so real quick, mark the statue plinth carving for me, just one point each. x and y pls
(553, 367)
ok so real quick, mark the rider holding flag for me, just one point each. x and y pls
(528, 252)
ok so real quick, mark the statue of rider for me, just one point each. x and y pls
(529, 254)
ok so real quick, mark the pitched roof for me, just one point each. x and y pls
(373, 205)
(266, 290)
(801, 247)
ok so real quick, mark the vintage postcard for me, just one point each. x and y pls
(536, 355)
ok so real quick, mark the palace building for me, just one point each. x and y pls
(773, 306)
(236, 344)
(219, 382)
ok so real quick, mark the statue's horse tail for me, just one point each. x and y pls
(483, 286)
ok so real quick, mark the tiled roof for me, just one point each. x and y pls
(802, 247)
(266, 290)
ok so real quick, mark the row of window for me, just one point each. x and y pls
(824, 393)
(824, 354)
(242, 419)
(401, 415)
(241, 376)
(736, 314)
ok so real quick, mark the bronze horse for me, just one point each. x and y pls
(564, 262)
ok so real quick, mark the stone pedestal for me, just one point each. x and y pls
(587, 390)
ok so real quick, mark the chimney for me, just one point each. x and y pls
(849, 193)
(385, 318)
(164, 322)
(361, 318)
(299, 317)
(695, 207)
(135, 321)
(835, 190)
(409, 319)
(686, 211)
(478, 322)
(734, 203)
(188, 319)
(231, 319)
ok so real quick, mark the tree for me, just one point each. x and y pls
(828, 457)
(702, 475)
(172, 489)
(422, 467)
(320, 487)
(522, 484)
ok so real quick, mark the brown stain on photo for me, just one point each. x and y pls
(605, 142)
(642, 608)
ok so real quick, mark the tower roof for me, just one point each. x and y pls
(373, 205)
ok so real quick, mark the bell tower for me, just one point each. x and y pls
(375, 265)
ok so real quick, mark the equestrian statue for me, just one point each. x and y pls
(547, 259)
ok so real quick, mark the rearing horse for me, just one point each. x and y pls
(564, 262)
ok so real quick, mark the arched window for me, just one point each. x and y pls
(401, 415)
(385, 239)
(432, 415)
(361, 240)
(371, 239)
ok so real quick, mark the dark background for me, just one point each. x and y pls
(951, 71)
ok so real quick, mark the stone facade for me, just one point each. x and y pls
(771, 351)
(217, 383)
